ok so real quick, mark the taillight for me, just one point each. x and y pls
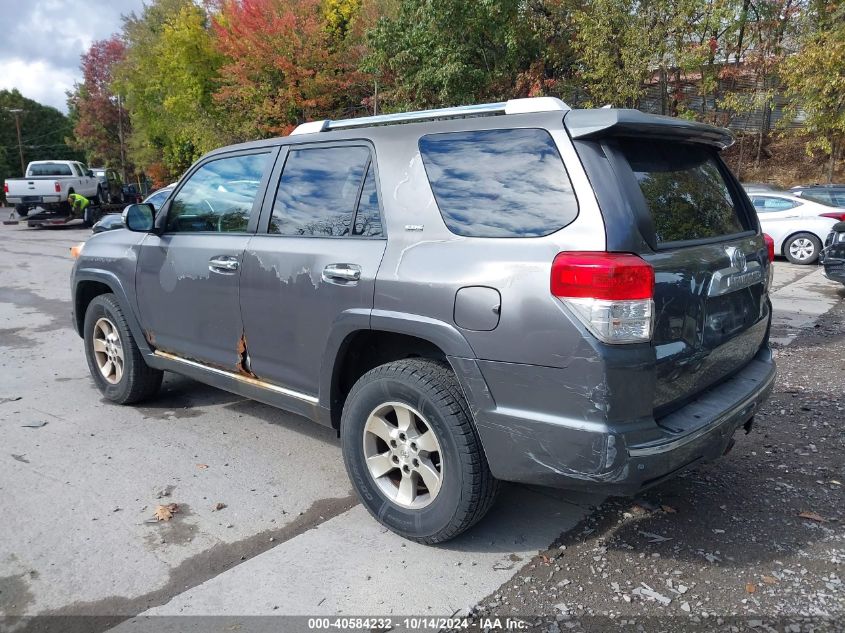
(612, 294)
(6, 187)
(770, 245)
(770, 267)
(836, 215)
(58, 186)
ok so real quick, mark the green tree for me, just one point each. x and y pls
(452, 52)
(815, 81)
(168, 76)
(44, 133)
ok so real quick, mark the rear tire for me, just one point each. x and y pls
(114, 360)
(430, 440)
(802, 248)
(22, 210)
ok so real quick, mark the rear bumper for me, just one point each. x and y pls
(33, 199)
(622, 458)
(834, 268)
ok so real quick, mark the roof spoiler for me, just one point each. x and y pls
(591, 124)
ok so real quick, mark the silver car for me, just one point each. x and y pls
(505, 292)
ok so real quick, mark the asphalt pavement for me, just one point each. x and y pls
(267, 521)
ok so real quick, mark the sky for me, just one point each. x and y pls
(42, 41)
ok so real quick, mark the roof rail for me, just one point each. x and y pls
(514, 106)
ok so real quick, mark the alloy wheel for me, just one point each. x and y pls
(403, 455)
(108, 350)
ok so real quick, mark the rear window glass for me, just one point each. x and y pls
(685, 191)
(50, 170)
(499, 183)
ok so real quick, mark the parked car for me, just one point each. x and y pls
(113, 221)
(111, 185)
(48, 183)
(754, 187)
(797, 226)
(518, 292)
(108, 222)
(833, 255)
(157, 198)
(833, 195)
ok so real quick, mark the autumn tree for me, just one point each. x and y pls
(285, 64)
(99, 117)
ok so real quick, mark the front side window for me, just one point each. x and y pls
(685, 191)
(319, 192)
(499, 183)
(218, 197)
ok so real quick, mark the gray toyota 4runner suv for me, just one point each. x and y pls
(505, 292)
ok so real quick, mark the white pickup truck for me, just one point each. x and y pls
(48, 183)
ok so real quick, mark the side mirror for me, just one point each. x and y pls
(139, 217)
(90, 173)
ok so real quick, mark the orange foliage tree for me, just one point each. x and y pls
(284, 66)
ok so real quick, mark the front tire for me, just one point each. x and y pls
(114, 360)
(802, 248)
(413, 453)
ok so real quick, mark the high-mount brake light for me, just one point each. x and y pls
(612, 294)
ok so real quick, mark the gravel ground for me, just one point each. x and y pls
(755, 541)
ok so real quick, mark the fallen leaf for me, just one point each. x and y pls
(165, 513)
(220, 505)
(750, 587)
(668, 509)
(770, 580)
(202, 466)
(812, 516)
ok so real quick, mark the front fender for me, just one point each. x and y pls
(110, 279)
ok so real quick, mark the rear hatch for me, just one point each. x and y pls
(697, 230)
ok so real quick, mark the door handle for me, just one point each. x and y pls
(344, 273)
(223, 264)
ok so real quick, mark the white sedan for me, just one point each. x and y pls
(798, 226)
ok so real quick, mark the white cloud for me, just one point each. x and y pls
(38, 80)
(43, 41)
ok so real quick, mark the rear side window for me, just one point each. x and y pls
(499, 183)
(50, 170)
(319, 194)
(764, 204)
(684, 189)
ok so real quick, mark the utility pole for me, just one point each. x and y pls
(120, 136)
(17, 112)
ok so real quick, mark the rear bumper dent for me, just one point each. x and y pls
(622, 458)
